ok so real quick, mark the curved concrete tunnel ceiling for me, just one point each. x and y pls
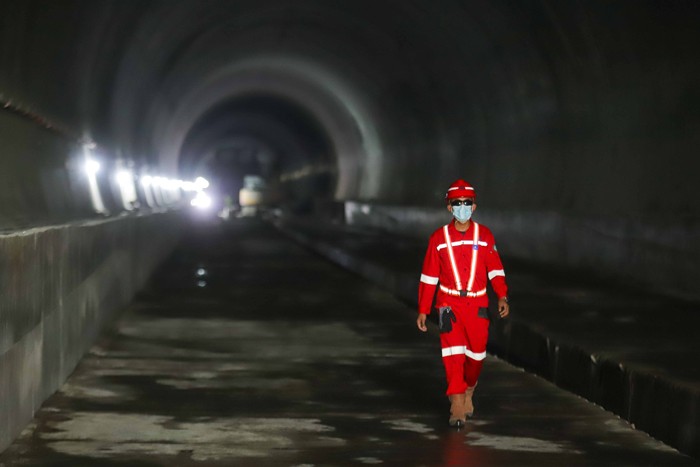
(293, 52)
(541, 104)
(377, 76)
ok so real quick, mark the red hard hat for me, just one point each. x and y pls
(460, 189)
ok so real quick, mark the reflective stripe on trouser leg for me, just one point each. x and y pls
(477, 337)
(464, 347)
(453, 355)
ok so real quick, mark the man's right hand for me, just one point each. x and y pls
(420, 322)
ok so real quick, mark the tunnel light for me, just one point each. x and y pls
(171, 189)
(146, 184)
(201, 183)
(189, 186)
(92, 167)
(125, 180)
(124, 177)
(201, 201)
(163, 190)
(156, 190)
(167, 184)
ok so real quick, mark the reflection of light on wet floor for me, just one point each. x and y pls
(517, 443)
(101, 435)
(87, 391)
(200, 273)
(408, 425)
(369, 460)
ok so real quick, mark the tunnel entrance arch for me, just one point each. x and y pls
(346, 120)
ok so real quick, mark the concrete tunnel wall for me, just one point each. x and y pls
(61, 285)
(576, 121)
(64, 269)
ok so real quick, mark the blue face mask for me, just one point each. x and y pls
(462, 213)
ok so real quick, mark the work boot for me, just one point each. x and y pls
(468, 403)
(457, 411)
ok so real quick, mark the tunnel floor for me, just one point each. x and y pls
(247, 349)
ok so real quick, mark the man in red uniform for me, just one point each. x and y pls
(461, 256)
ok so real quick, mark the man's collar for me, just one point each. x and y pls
(453, 228)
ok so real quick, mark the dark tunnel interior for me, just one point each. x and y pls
(125, 123)
(261, 135)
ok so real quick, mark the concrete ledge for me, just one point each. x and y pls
(62, 284)
(664, 408)
(667, 409)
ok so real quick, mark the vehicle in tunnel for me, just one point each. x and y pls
(252, 196)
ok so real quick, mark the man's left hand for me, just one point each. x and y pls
(503, 307)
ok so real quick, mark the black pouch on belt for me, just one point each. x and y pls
(483, 313)
(446, 318)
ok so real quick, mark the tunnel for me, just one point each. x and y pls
(577, 123)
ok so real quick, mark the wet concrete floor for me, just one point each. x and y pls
(247, 349)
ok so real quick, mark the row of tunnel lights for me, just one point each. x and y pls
(158, 190)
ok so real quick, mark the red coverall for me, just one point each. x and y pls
(462, 272)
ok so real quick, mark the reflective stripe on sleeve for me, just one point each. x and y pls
(428, 279)
(462, 350)
(496, 272)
